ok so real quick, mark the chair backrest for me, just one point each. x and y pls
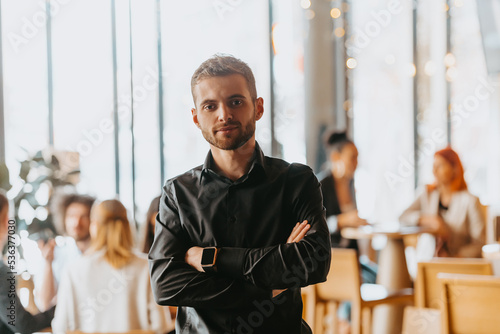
(343, 281)
(417, 320)
(427, 290)
(471, 303)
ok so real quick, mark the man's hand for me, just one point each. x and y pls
(298, 232)
(350, 219)
(47, 249)
(193, 258)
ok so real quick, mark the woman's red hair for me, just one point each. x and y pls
(452, 158)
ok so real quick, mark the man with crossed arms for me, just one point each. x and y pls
(238, 236)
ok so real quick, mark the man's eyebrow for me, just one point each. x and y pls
(237, 96)
(207, 101)
(234, 96)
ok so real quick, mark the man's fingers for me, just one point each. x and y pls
(294, 233)
(298, 232)
(302, 233)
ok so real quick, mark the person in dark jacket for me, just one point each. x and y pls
(237, 237)
(339, 199)
(337, 186)
(13, 317)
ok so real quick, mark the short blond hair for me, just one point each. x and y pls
(113, 232)
(220, 65)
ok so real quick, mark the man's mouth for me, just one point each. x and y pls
(227, 129)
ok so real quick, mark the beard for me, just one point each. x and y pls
(230, 141)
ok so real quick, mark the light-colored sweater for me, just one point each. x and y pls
(95, 297)
(464, 217)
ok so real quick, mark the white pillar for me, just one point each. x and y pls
(319, 76)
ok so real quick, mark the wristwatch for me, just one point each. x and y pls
(208, 259)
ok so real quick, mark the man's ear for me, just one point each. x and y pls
(334, 156)
(259, 108)
(194, 113)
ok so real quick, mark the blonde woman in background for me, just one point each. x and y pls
(108, 289)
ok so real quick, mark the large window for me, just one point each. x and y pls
(69, 77)
(382, 114)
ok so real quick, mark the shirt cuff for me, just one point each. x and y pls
(230, 261)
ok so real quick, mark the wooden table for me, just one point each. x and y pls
(392, 271)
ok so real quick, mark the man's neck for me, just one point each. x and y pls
(83, 245)
(233, 164)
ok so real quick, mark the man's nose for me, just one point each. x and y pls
(225, 113)
(79, 222)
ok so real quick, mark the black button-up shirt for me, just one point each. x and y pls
(250, 220)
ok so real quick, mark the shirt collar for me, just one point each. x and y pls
(257, 162)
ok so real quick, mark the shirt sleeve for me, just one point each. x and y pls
(20, 320)
(290, 265)
(411, 216)
(476, 228)
(176, 283)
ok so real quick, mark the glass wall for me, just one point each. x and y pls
(131, 62)
(382, 81)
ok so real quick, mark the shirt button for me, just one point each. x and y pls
(232, 219)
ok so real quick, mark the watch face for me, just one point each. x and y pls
(207, 257)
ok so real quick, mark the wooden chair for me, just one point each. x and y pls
(471, 303)
(427, 293)
(308, 294)
(417, 320)
(344, 284)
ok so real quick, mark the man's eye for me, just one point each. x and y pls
(209, 107)
(236, 102)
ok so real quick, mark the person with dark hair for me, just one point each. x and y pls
(149, 228)
(72, 221)
(13, 317)
(450, 210)
(237, 237)
(337, 186)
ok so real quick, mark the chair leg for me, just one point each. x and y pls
(331, 319)
(319, 322)
(355, 318)
(367, 320)
(310, 306)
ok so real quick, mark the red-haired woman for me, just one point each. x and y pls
(447, 207)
